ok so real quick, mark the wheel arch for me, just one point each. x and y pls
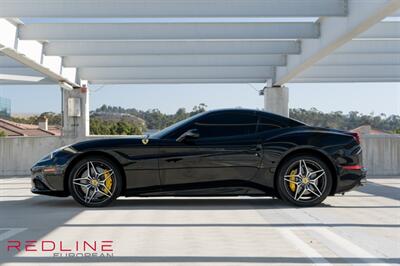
(314, 152)
(93, 153)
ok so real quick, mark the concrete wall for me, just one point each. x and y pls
(381, 154)
(18, 154)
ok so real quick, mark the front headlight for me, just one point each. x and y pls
(47, 157)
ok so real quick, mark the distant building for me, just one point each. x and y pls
(5, 107)
(12, 129)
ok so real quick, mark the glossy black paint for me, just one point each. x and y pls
(241, 160)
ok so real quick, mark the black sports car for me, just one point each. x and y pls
(228, 152)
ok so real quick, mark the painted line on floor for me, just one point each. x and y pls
(288, 233)
(348, 245)
(303, 247)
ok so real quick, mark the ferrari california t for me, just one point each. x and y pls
(229, 152)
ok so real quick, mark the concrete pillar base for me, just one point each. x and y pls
(276, 100)
(75, 118)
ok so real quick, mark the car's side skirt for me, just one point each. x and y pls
(217, 188)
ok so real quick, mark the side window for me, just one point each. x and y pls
(266, 124)
(226, 125)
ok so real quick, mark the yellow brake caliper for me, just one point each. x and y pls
(107, 177)
(292, 186)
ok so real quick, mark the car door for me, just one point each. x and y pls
(221, 160)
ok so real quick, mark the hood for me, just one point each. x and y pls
(118, 142)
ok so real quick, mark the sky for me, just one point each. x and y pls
(362, 97)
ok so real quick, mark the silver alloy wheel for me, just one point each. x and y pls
(305, 180)
(92, 182)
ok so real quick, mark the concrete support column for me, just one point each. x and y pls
(276, 100)
(75, 111)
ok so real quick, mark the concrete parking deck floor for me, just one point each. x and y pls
(362, 227)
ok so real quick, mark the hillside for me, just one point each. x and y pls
(113, 120)
(156, 120)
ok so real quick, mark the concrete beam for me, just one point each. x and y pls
(370, 46)
(22, 70)
(361, 59)
(365, 79)
(28, 53)
(188, 72)
(170, 47)
(361, 73)
(174, 60)
(180, 81)
(6, 62)
(335, 32)
(23, 80)
(54, 63)
(32, 65)
(383, 30)
(70, 73)
(171, 8)
(8, 33)
(20, 75)
(163, 31)
(31, 49)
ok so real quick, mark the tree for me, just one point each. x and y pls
(2, 133)
(101, 127)
(396, 131)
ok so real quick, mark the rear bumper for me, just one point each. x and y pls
(350, 179)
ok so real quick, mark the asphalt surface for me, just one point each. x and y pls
(360, 228)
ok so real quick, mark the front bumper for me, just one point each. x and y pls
(47, 183)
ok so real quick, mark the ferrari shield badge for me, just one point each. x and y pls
(145, 141)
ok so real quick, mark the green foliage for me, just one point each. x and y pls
(157, 120)
(396, 131)
(2, 133)
(101, 127)
(348, 121)
(153, 117)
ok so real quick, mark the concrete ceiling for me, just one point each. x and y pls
(199, 41)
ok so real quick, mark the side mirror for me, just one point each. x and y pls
(190, 134)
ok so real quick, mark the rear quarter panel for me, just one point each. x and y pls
(338, 148)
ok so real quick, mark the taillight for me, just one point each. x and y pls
(356, 137)
(352, 167)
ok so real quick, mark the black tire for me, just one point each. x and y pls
(104, 193)
(315, 188)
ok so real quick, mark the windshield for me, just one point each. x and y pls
(164, 132)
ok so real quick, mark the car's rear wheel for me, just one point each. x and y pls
(304, 181)
(95, 181)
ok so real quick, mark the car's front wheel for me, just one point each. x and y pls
(304, 181)
(95, 181)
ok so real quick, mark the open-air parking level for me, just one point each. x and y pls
(361, 227)
(77, 44)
